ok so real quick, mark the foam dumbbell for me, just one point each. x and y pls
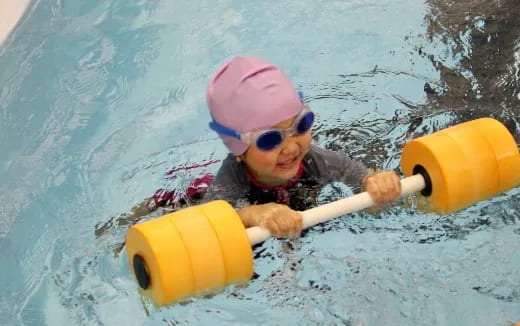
(204, 248)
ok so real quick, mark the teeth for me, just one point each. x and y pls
(288, 161)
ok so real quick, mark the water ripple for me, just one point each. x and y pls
(109, 102)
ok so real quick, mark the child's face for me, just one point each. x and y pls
(279, 165)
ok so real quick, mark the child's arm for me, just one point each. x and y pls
(330, 166)
(280, 220)
(383, 186)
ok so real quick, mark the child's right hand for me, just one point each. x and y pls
(280, 220)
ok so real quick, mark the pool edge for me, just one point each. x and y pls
(11, 11)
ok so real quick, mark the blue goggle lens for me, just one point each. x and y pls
(269, 140)
(305, 123)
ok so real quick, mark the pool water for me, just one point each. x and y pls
(99, 100)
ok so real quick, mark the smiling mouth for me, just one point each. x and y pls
(289, 163)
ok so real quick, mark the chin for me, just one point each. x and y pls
(287, 175)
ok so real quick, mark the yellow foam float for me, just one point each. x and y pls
(194, 250)
(466, 163)
(206, 247)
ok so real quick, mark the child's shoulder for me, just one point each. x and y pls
(333, 166)
(231, 171)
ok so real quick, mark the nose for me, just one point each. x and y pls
(290, 144)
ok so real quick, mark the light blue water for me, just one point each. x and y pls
(99, 99)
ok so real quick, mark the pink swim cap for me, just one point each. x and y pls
(249, 94)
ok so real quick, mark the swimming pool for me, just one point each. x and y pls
(99, 100)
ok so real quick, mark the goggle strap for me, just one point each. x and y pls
(223, 130)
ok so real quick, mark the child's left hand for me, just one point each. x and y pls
(383, 187)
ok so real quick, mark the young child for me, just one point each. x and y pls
(273, 169)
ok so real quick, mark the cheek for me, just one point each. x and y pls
(260, 160)
(305, 141)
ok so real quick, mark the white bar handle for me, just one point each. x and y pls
(337, 208)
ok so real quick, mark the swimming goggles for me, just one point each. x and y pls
(269, 139)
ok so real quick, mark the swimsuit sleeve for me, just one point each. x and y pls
(329, 166)
(229, 184)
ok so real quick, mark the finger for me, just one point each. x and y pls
(382, 186)
(271, 220)
(375, 193)
(273, 228)
(284, 226)
(296, 226)
(397, 180)
(285, 219)
(397, 185)
(390, 191)
(289, 221)
(390, 187)
(299, 220)
(385, 198)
